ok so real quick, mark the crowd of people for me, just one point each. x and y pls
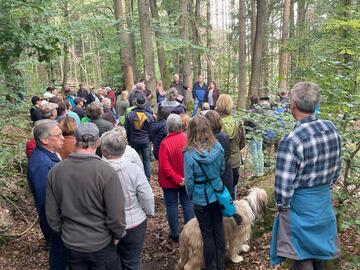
(90, 167)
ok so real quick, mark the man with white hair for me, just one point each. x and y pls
(307, 166)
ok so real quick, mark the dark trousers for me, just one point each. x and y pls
(58, 253)
(45, 229)
(104, 259)
(144, 151)
(308, 265)
(130, 247)
(171, 199)
(212, 231)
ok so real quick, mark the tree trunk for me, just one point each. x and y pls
(66, 50)
(132, 46)
(196, 40)
(165, 76)
(292, 56)
(208, 41)
(284, 54)
(300, 29)
(83, 55)
(241, 102)
(265, 55)
(147, 49)
(253, 19)
(184, 34)
(255, 78)
(125, 58)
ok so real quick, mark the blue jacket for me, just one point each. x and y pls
(158, 132)
(137, 125)
(198, 92)
(40, 163)
(213, 164)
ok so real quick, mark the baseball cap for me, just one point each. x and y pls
(87, 129)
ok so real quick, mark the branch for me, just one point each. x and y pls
(22, 233)
(17, 208)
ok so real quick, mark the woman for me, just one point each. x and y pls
(232, 127)
(215, 124)
(68, 127)
(204, 160)
(211, 95)
(122, 103)
(170, 104)
(158, 131)
(139, 198)
(171, 175)
(160, 93)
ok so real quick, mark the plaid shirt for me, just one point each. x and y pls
(310, 155)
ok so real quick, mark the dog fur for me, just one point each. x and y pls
(191, 244)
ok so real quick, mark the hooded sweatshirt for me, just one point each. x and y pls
(139, 198)
(234, 129)
(200, 191)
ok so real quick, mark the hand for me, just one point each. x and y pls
(182, 183)
(116, 241)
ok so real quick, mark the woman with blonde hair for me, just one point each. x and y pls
(122, 103)
(204, 160)
(233, 127)
(68, 127)
(160, 92)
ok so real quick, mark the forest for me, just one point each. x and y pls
(248, 47)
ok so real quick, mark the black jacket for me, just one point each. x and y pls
(35, 114)
(158, 132)
(227, 177)
(137, 125)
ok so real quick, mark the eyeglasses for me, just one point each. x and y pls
(56, 135)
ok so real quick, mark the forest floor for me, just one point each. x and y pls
(160, 253)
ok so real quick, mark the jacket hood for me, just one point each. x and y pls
(229, 126)
(207, 157)
(119, 163)
(158, 125)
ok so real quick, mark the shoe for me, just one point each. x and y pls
(175, 238)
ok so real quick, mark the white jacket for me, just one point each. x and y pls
(138, 193)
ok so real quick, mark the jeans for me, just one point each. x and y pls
(171, 198)
(58, 253)
(257, 157)
(104, 259)
(130, 247)
(197, 105)
(212, 231)
(144, 151)
(308, 265)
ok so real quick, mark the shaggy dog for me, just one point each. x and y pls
(191, 243)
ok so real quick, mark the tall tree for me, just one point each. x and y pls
(196, 40)
(184, 34)
(146, 45)
(284, 54)
(160, 48)
(119, 10)
(132, 46)
(208, 40)
(255, 78)
(66, 49)
(241, 102)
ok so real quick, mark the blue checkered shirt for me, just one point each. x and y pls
(310, 155)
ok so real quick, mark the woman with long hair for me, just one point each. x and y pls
(160, 93)
(204, 165)
(211, 95)
(69, 128)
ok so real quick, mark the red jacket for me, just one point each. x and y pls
(30, 147)
(112, 97)
(171, 160)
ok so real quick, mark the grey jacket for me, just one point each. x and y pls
(138, 194)
(85, 203)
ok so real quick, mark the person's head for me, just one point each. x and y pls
(224, 104)
(81, 86)
(176, 77)
(214, 120)
(159, 84)
(304, 97)
(172, 94)
(49, 110)
(185, 118)
(108, 89)
(200, 78)
(106, 102)
(124, 95)
(162, 114)
(79, 102)
(140, 101)
(199, 134)
(141, 85)
(110, 117)
(102, 92)
(49, 89)
(68, 105)
(121, 130)
(254, 100)
(212, 85)
(61, 110)
(36, 101)
(205, 106)
(94, 110)
(173, 123)
(48, 134)
(56, 99)
(87, 138)
(68, 126)
(113, 144)
(284, 94)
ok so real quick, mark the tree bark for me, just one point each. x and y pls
(241, 101)
(120, 16)
(292, 56)
(165, 76)
(132, 45)
(255, 78)
(196, 40)
(253, 19)
(208, 41)
(66, 50)
(284, 54)
(184, 35)
(146, 46)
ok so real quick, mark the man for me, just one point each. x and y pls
(49, 140)
(79, 108)
(82, 93)
(198, 92)
(85, 203)
(180, 87)
(92, 96)
(307, 166)
(35, 112)
(137, 125)
(50, 92)
(49, 110)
